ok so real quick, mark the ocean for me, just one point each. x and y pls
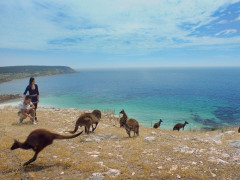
(207, 98)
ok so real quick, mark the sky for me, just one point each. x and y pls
(120, 33)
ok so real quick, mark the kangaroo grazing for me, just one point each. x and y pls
(178, 126)
(157, 125)
(37, 140)
(87, 120)
(129, 124)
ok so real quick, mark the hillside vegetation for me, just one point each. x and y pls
(17, 72)
(109, 153)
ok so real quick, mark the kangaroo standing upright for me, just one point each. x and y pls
(156, 125)
(129, 124)
(37, 140)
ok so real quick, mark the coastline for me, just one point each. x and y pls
(13, 103)
(10, 73)
(34, 76)
(110, 153)
(5, 98)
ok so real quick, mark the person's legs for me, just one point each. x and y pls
(35, 104)
(32, 113)
(21, 117)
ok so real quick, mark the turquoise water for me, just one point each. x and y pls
(205, 97)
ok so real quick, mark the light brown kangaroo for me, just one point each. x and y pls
(37, 140)
(87, 120)
(129, 124)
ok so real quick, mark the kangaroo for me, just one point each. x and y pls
(239, 129)
(157, 125)
(85, 119)
(129, 124)
(37, 140)
(95, 121)
(178, 126)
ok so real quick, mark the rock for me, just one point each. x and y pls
(112, 172)
(153, 133)
(172, 136)
(229, 132)
(184, 149)
(235, 143)
(178, 176)
(96, 176)
(93, 152)
(160, 167)
(94, 155)
(213, 175)
(214, 160)
(174, 167)
(62, 173)
(225, 155)
(133, 173)
(218, 142)
(149, 139)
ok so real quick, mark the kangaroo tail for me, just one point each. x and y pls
(58, 136)
(75, 129)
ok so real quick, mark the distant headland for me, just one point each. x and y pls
(9, 73)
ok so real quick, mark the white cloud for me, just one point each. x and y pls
(118, 26)
(226, 32)
(238, 18)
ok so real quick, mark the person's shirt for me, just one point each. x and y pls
(24, 106)
(32, 92)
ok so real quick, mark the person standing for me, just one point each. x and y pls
(26, 109)
(33, 91)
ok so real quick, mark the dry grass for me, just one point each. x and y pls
(110, 148)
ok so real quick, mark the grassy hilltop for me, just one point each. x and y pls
(108, 153)
(17, 72)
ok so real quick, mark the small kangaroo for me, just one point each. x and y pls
(178, 126)
(156, 125)
(239, 129)
(37, 140)
(129, 124)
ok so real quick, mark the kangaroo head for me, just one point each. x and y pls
(97, 113)
(122, 111)
(160, 120)
(15, 145)
(186, 122)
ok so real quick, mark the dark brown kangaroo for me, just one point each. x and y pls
(179, 126)
(129, 124)
(156, 125)
(239, 129)
(37, 140)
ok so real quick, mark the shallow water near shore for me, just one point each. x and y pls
(205, 97)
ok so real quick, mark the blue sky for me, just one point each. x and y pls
(120, 33)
